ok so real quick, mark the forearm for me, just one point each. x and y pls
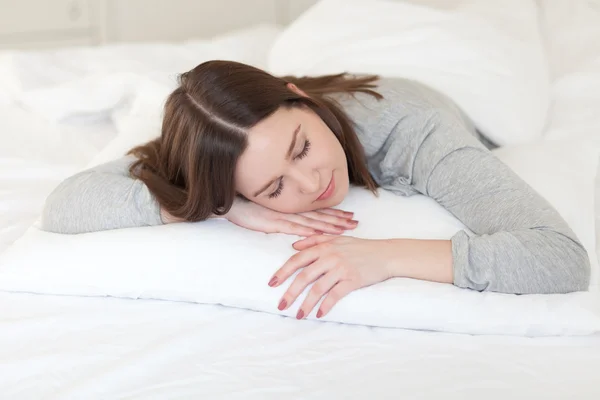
(100, 199)
(428, 260)
(167, 218)
(525, 261)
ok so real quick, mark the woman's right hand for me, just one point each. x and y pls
(258, 218)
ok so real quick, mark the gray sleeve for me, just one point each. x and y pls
(104, 197)
(521, 243)
(417, 141)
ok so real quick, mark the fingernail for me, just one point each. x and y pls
(282, 305)
(353, 222)
(349, 214)
(319, 314)
(300, 314)
(319, 232)
(273, 281)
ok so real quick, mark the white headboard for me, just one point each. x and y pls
(52, 23)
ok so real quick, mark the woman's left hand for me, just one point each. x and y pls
(337, 265)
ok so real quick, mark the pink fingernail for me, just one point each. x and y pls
(273, 281)
(319, 232)
(282, 305)
(319, 313)
(300, 314)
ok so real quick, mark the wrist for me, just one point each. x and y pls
(395, 265)
(429, 260)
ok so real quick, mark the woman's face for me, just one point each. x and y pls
(293, 163)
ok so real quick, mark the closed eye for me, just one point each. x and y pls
(277, 191)
(304, 151)
(300, 156)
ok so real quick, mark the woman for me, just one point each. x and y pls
(276, 154)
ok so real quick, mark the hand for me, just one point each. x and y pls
(258, 218)
(337, 265)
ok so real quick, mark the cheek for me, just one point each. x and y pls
(287, 204)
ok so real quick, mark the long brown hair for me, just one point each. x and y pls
(190, 167)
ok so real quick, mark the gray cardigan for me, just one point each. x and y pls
(416, 141)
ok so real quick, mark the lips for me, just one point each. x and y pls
(328, 190)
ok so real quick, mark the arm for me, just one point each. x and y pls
(107, 197)
(101, 198)
(426, 260)
(417, 141)
(521, 244)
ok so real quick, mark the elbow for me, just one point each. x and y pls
(59, 214)
(52, 218)
(579, 272)
(571, 269)
(49, 221)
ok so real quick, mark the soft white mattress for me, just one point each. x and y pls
(82, 348)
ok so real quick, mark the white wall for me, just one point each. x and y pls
(293, 8)
(51, 23)
(136, 20)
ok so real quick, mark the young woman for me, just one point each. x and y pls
(276, 154)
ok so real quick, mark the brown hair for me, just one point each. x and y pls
(190, 167)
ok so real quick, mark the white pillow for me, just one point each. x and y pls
(487, 56)
(218, 262)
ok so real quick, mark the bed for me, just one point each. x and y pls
(76, 347)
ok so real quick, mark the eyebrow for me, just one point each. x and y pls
(287, 157)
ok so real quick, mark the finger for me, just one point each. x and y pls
(326, 222)
(312, 241)
(336, 212)
(299, 260)
(293, 228)
(338, 292)
(318, 224)
(319, 289)
(307, 276)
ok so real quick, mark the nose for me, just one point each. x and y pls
(308, 180)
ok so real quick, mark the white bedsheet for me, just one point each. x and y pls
(104, 348)
(83, 348)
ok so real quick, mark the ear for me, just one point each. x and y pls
(296, 89)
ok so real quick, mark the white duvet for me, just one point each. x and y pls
(77, 347)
